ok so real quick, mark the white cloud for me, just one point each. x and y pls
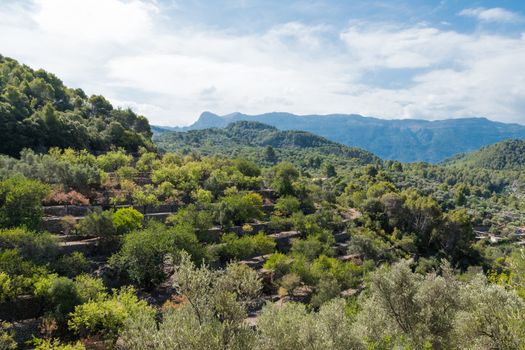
(496, 14)
(125, 50)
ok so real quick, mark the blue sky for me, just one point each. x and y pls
(171, 60)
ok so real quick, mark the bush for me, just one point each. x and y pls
(237, 208)
(73, 265)
(126, 220)
(7, 341)
(21, 202)
(287, 205)
(7, 289)
(98, 223)
(113, 160)
(106, 316)
(59, 294)
(55, 344)
(35, 247)
(88, 287)
(245, 247)
(279, 263)
(143, 254)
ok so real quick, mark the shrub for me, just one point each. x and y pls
(35, 247)
(73, 265)
(199, 219)
(98, 223)
(279, 263)
(126, 220)
(58, 196)
(7, 289)
(246, 246)
(88, 287)
(59, 294)
(284, 176)
(287, 205)
(247, 168)
(55, 344)
(21, 202)
(106, 316)
(237, 208)
(143, 253)
(7, 341)
(113, 160)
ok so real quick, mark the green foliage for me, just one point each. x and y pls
(144, 253)
(211, 318)
(38, 247)
(106, 315)
(21, 202)
(99, 223)
(59, 294)
(55, 344)
(502, 155)
(37, 111)
(237, 208)
(7, 341)
(68, 168)
(244, 247)
(126, 220)
(7, 289)
(114, 160)
(287, 205)
(292, 327)
(285, 175)
(264, 145)
(72, 265)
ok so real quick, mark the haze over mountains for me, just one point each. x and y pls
(407, 140)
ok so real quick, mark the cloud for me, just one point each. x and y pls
(137, 55)
(496, 14)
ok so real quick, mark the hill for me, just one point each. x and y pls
(407, 140)
(252, 139)
(505, 155)
(37, 111)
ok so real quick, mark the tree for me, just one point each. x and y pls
(330, 170)
(21, 202)
(211, 317)
(269, 155)
(284, 176)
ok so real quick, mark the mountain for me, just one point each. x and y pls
(406, 140)
(508, 154)
(38, 111)
(252, 140)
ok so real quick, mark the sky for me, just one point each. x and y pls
(171, 60)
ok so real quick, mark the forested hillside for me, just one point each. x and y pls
(508, 154)
(37, 111)
(264, 144)
(406, 140)
(251, 238)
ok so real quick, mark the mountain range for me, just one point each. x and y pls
(406, 140)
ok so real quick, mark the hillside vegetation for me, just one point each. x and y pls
(509, 154)
(229, 242)
(37, 111)
(406, 140)
(263, 144)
